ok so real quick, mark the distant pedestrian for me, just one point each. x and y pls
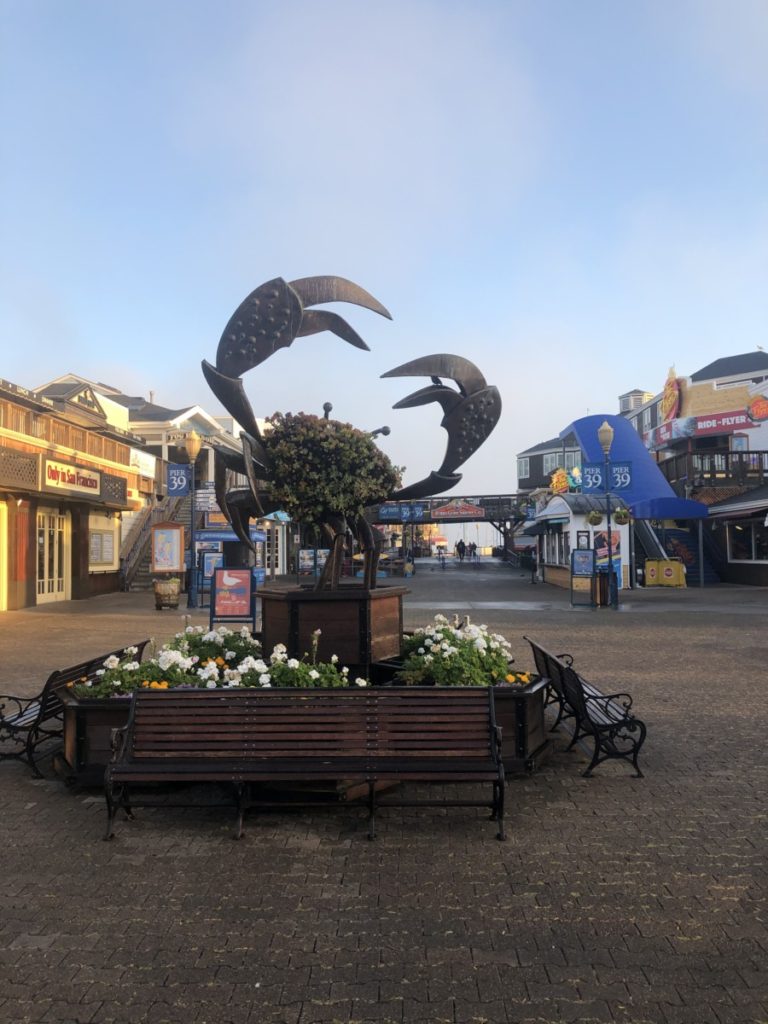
(461, 549)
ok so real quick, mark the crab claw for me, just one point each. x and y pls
(273, 316)
(470, 414)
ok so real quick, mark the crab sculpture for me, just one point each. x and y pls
(272, 317)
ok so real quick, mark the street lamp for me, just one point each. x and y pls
(605, 439)
(192, 444)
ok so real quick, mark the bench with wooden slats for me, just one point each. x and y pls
(241, 737)
(28, 724)
(607, 718)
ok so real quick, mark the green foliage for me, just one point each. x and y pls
(322, 467)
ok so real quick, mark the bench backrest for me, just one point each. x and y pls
(574, 694)
(50, 703)
(248, 725)
(549, 666)
(441, 722)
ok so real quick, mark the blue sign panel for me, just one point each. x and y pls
(178, 479)
(593, 473)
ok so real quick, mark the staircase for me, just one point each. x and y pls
(684, 545)
(136, 554)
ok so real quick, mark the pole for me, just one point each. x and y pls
(192, 588)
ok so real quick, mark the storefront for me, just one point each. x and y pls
(65, 477)
(740, 526)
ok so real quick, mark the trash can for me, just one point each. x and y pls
(672, 573)
(652, 572)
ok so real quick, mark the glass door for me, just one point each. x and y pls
(52, 548)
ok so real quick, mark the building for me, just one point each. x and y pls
(69, 470)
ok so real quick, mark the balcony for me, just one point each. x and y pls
(717, 468)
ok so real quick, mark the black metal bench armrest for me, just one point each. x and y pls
(567, 658)
(117, 741)
(12, 706)
(611, 698)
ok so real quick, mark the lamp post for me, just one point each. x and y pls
(192, 444)
(605, 439)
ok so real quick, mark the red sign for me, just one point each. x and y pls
(458, 509)
(232, 594)
(721, 423)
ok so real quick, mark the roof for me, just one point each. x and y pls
(556, 444)
(731, 366)
(140, 409)
(754, 501)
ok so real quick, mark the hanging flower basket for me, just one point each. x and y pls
(621, 516)
(594, 518)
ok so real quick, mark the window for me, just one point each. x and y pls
(551, 462)
(748, 541)
(572, 460)
(523, 469)
(647, 419)
(739, 542)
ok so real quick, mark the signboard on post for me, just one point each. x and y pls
(582, 569)
(593, 477)
(167, 547)
(178, 478)
(233, 597)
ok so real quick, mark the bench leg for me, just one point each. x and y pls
(595, 759)
(111, 811)
(239, 796)
(30, 748)
(498, 797)
(371, 810)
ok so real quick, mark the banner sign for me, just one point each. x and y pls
(592, 477)
(699, 426)
(178, 479)
(232, 595)
(62, 477)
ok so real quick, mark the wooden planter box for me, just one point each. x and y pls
(88, 726)
(360, 626)
(520, 713)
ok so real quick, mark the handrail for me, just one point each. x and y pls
(140, 538)
(718, 466)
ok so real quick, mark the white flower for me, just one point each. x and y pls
(428, 659)
(131, 666)
(345, 671)
(293, 663)
(265, 679)
(229, 655)
(131, 650)
(334, 658)
(115, 682)
(99, 671)
(211, 684)
(422, 651)
(111, 662)
(267, 686)
(314, 674)
(360, 681)
(317, 632)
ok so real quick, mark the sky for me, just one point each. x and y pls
(574, 196)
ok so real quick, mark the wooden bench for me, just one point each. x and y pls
(245, 737)
(608, 719)
(29, 723)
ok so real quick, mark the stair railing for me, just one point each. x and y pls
(140, 535)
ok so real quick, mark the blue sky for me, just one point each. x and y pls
(572, 195)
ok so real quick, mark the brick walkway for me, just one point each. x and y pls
(614, 899)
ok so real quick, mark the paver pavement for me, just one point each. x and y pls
(614, 899)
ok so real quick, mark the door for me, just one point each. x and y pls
(53, 574)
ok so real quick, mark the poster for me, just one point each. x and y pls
(167, 548)
(582, 563)
(601, 550)
(232, 598)
(211, 560)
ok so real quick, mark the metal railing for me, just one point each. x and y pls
(135, 545)
(719, 467)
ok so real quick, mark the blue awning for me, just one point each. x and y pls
(650, 496)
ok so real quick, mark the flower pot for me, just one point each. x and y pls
(520, 713)
(166, 593)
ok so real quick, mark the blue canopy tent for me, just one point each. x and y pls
(650, 495)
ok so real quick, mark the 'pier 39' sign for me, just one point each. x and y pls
(593, 477)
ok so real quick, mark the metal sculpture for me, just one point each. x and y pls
(272, 317)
